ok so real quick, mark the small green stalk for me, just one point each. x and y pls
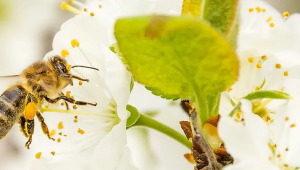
(146, 121)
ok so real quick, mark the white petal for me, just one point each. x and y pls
(248, 165)
(125, 162)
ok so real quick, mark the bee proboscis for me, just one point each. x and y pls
(21, 102)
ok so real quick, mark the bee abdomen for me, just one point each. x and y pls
(11, 105)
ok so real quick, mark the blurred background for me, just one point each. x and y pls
(27, 28)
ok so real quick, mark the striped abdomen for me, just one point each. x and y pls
(12, 103)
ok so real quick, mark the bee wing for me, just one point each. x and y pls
(6, 81)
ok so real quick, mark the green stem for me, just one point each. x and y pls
(151, 123)
(201, 108)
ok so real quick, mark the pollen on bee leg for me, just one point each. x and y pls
(38, 155)
(250, 59)
(64, 53)
(60, 125)
(278, 66)
(68, 93)
(251, 9)
(52, 133)
(80, 131)
(75, 43)
(30, 111)
(53, 153)
(269, 19)
(65, 6)
(286, 73)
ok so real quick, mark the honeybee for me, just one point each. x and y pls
(21, 102)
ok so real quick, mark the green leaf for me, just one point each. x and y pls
(178, 55)
(134, 115)
(223, 15)
(191, 7)
(158, 92)
(271, 94)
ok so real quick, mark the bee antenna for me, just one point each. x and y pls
(85, 67)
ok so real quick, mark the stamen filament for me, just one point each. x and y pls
(65, 6)
(262, 106)
(75, 112)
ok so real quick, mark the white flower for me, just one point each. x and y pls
(255, 145)
(268, 51)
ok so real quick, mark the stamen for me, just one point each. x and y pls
(70, 1)
(257, 88)
(60, 133)
(263, 10)
(272, 25)
(80, 83)
(65, 135)
(75, 43)
(53, 132)
(74, 107)
(286, 73)
(258, 9)
(85, 10)
(278, 156)
(75, 120)
(287, 149)
(250, 59)
(256, 110)
(269, 19)
(38, 155)
(286, 14)
(80, 131)
(64, 53)
(278, 66)
(65, 6)
(229, 89)
(58, 140)
(258, 65)
(239, 114)
(293, 125)
(72, 112)
(267, 119)
(100, 6)
(286, 165)
(60, 125)
(251, 9)
(62, 103)
(287, 119)
(92, 13)
(53, 153)
(264, 57)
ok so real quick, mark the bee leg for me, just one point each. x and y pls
(68, 99)
(67, 105)
(22, 126)
(43, 125)
(29, 130)
(79, 78)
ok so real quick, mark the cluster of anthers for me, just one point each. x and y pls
(82, 8)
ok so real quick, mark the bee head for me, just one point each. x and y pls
(62, 70)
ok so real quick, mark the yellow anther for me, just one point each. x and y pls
(272, 25)
(60, 133)
(75, 120)
(287, 119)
(75, 43)
(68, 93)
(70, 1)
(278, 156)
(85, 10)
(53, 132)
(293, 125)
(92, 13)
(80, 83)
(189, 157)
(58, 140)
(286, 165)
(258, 9)
(286, 14)
(263, 10)
(229, 89)
(286, 73)
(287, 149)
(239, 114)
(65, 6)
(64, 53)
(74, 107)
(267, 119)
(80, 131)
(68, 67)
(269, 19)
(60, 125)
(251, 9)
(38, 155)
(250, 59)
(53, 153)
(257, 88)
(100, 6)
(75, 117)
(65, 135)
(278, 66)
(62, 103)
(30, 111)
(264, 57)
(258, 65)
